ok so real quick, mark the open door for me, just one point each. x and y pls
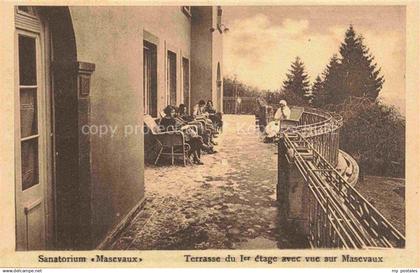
(31, 133)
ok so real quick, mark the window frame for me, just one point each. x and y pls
(27, 14)
(38, 195)
(184, 58)
(169, 71)
(187, 11)
(149, 98)
(219, 19)
(146, 78)
(39, 105)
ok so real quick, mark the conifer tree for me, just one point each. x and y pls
(332, 88)
(318, 96)
(297, 80)
(361, 77)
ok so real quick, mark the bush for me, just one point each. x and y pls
(374, 134)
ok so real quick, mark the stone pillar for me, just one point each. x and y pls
(282, 189)
(84, 72)
(292, 192)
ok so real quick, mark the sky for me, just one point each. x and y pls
(262, 41)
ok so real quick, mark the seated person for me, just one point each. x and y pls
(215, 117)
(273, 127)
(183, 118)
(198, 110)
(200, 113)
(283, 112)
(209, 108)
(183, 113)
(169, 123)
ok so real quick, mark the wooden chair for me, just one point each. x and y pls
(170, 143)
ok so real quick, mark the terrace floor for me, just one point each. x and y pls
(227, 203)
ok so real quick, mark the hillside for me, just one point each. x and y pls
(387, 194)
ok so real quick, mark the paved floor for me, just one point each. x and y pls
(228, 203)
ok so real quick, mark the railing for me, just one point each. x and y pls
(322, 130)
(338, 215)
(247, 105)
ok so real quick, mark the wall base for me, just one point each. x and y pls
(121, 226)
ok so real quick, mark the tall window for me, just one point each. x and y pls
(171, 78)
(29, 89)
(150, 78)
(186, 81)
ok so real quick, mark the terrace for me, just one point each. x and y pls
(253, 195)
(229, 202)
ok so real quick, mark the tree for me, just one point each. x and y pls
(318, 96)
(232, 86)
(374, 134)
(297, 80)
(332, 87)
(360, 76)
(292, 98)
(273, 98)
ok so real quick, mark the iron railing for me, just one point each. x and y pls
(322, 130)
(338, 215)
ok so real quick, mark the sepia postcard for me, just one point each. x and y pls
(209, 134)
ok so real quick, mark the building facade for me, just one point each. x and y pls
(84, 79)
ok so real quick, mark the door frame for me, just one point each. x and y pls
(67, 211)
(32, 26)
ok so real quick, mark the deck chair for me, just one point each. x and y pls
(293, 121)
(218, 125)
(205, 121)
(162, 114)
(170, 143)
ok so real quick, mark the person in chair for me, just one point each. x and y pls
(184, 119)
(199, 110)
(169, 123)
(213, 115)
(283, 112)
(273, 127)
(199, 113)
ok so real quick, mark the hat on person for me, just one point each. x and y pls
(283, 102)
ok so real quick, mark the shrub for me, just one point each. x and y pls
(374, 134)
